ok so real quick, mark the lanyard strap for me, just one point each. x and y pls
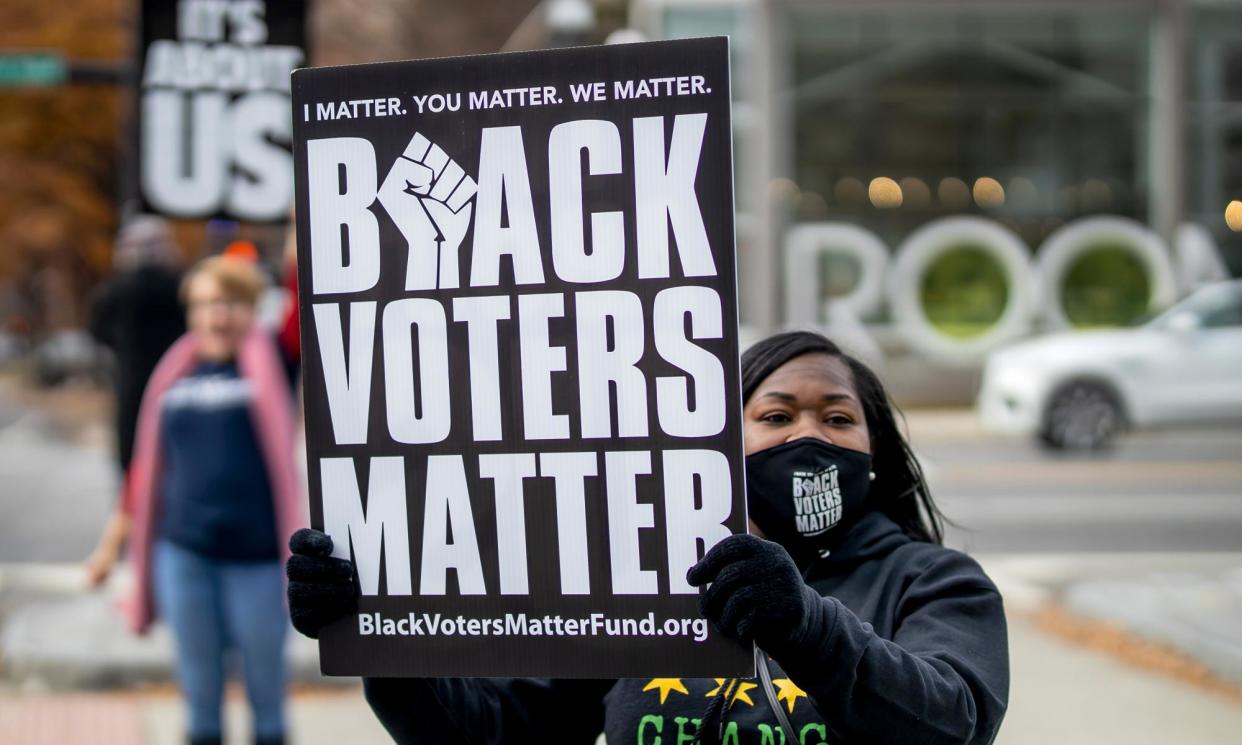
(765, 678)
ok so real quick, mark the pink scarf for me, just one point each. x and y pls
(271, 412)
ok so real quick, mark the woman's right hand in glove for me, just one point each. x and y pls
(322, 588)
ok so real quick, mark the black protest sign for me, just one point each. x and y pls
(519, 325)
(213, 107)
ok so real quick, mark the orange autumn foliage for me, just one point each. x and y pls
(60, 154)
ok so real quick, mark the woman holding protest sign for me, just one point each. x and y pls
(210, 494)
(873, 632)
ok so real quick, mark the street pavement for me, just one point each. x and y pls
(1168, 491)
(1146, 538)
(57, 490)
(1164, 491)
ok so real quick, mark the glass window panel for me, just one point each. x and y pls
(1049, 103)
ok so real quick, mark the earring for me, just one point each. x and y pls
(871, 475)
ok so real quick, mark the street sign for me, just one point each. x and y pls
(32, 70)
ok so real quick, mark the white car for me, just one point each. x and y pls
(1080, 389)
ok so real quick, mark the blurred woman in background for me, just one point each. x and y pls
(210, 495)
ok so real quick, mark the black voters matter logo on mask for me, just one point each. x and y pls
(519, 327)
(817, 500)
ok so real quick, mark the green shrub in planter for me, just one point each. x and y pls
(964, 292)
(1106, 286)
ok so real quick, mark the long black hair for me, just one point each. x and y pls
(899, 490)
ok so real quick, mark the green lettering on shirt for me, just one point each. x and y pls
(768, 737)
(656, 721)
(820, 729)
(684, 737)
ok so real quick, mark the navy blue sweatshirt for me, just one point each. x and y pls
(217, 499)
(908, 646)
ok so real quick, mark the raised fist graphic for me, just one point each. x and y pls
(428, 196)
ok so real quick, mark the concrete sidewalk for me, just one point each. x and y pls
(71, 674)
(1061, 694)
(53, 635)
(1187, 605)
(58, 640)
(155, 717)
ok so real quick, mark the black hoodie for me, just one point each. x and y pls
(138, 315)
(911, 648)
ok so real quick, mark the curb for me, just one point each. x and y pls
(1191, 603)
(57, 635)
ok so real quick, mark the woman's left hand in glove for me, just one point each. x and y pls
(322, 589)
(755, 593)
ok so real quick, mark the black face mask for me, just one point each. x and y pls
(805, 494)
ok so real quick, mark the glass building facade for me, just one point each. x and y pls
(1034, 116)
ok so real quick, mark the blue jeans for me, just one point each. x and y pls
(214, 606)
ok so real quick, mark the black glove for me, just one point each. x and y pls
(321, 588)
(756, 593)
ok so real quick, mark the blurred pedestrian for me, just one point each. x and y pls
(211, 493)
(136, 313)
(869, 628)
(288, 334)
